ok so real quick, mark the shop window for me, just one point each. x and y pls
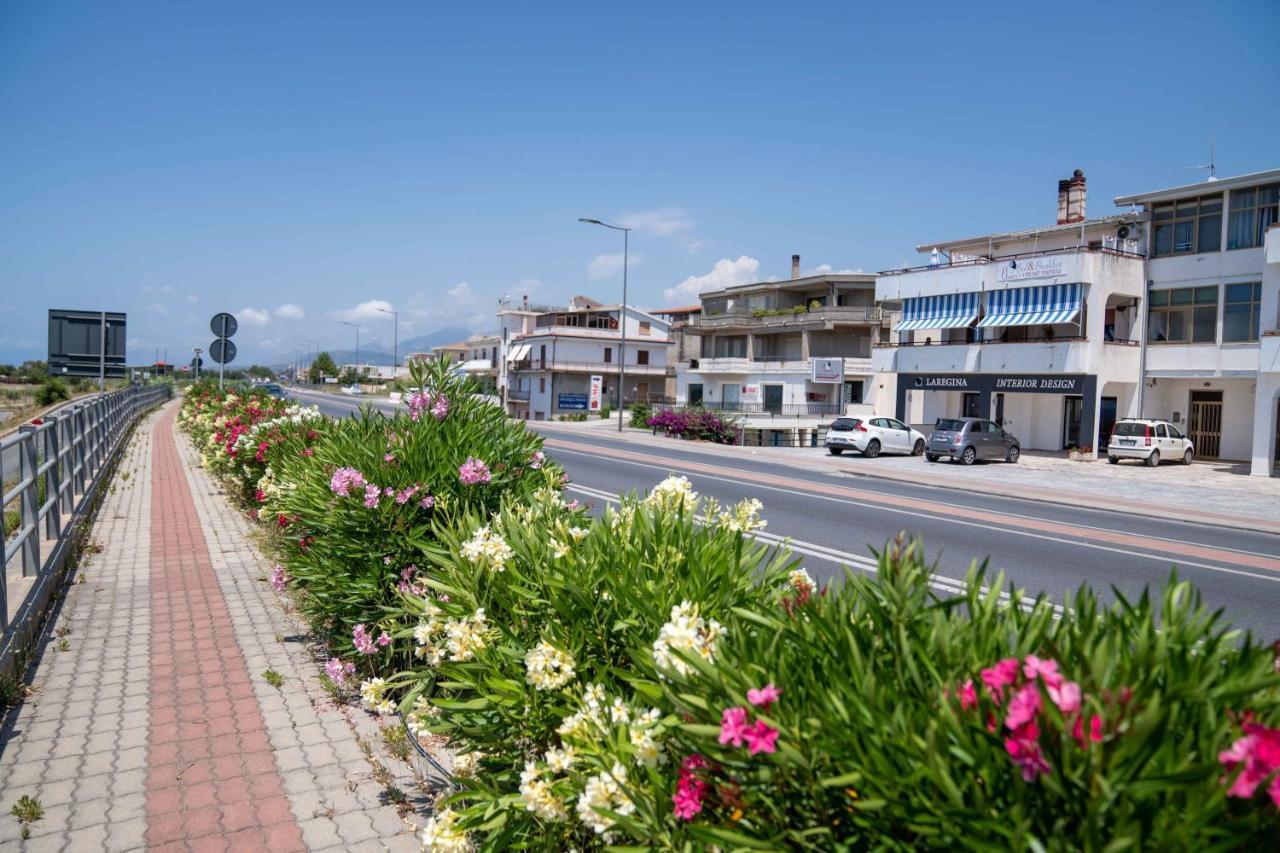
(1188, 226)
(1184, 315)
(1241, 312)
(1253, 211)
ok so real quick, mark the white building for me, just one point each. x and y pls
(1037, 329)
(1212, 359)
(552, 354)
(799, 348)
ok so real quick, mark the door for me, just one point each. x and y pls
(1106, 420)
(1072, 407)
(694, 395)
(729, 396)
(1205, 423)
(1000, 410)
(642, 392)
(773, 398)
(969, 406)
(901, 435)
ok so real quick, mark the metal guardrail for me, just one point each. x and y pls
(60, 463)
(784, 410)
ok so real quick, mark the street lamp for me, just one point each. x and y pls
(197, 351)
(622, 315)
(395, 342)
(357, 328)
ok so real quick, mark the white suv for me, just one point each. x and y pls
(1150, 441)
(870, 436)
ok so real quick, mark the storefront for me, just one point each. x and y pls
(1045, 411)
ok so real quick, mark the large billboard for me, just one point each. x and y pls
(76, 345)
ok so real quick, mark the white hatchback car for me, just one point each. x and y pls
(872, 436)
(1150, 441)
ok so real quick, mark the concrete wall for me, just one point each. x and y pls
(1170, 397)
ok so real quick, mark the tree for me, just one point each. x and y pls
(33, 371)
(349, 376)
(321, 367)
(257, 371)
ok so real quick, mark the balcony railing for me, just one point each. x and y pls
(995, 259)
(787, 317)
(783, 410)
(602, 367)
(1053, 339)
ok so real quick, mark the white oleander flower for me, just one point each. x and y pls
(441, 834)
(686, 631)
(604, 791)
(744, 518)
(487, 549)
(559, 760)
(646, 746)
(674, 494)
(547, 668)
(464, 637)
(467, 764)
(538, 797)
(577, 534)
(800, 580)
(559, 549)
(619, 712)
(373, 696)
(417, 720)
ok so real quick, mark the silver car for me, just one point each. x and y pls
(971, 439)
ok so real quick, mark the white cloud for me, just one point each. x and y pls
(608, 266)
(825, 269)
(460, 291)
(725, 273)
(460, 306)
(289, 311)
(695, 246)
(254, 316)
(157, 308)
(368, 310)
(660, 222)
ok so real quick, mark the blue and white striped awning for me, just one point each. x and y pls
(948, 311)
(1032, 306)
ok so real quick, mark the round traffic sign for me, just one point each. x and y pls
(222, 351)
(223, 331)
(197, 363)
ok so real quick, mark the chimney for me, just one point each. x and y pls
(795, 266)
(1071, 199)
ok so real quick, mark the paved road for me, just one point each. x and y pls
(836, 520)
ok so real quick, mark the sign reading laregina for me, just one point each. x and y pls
(594, 395)
(1029, 268)
(828, 371)
(572, 401)
(998, 383)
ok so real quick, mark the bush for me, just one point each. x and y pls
(695, 424)
(51, 391)
(640, 414)
(605, 411)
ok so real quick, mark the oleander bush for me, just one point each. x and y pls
(659, 677)
(696, 424)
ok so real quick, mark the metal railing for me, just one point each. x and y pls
(1050, 339)
(781, 410)
(57, 465)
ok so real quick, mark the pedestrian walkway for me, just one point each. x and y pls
(152, 724)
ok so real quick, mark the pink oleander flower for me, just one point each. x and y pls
(572, 505)
(1000, 676)
(371, 495)
(279, 578)
(440, 407)
(761, 737)
(1023, 707)
(473, 472)
(260, 496)
(1046, 670)
(1024, 749)
(1095, 730)
(307, 451)
(1066, 696)
(427, 503)
(403, 496)
(384, 639)
(537, 459)
(687, 799)
(693, 762)
(344, 480)
(764, 696)
(733, 726)
(339, 671)
(362, 640)
(389, 457)
(968, 695)
(1257, 754)
(388, 492)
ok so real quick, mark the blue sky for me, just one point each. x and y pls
(304, 160)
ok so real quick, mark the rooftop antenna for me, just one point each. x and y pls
(1212, 165)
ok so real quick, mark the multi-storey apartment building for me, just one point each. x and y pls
(551, 361)
(1039, 329)
(799, 347)
(686, 346)
(1212, 356)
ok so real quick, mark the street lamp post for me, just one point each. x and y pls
(395, 343)
(311, 341)
(197, 351)
(622, 314)
(357, 328)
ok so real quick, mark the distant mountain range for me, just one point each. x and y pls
(380, 353)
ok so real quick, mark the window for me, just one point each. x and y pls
(644, 327)
(1241, 312)
(1187, 226)
(608, 355)
(1184, 315)
(642, 356)
(1253, 211)
(542, 355)
(542, 384)
(1160, 431)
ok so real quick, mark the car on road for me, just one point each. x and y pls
(352, 390)
(969, 439)
(274, 390)
(872, 436)
(1149, 440)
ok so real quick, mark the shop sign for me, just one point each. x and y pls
(945, 383)
(597, 390)
(572, 401)
(828, 371)
(749, 392)
(1013, 383)
(1029, 268)
(1035, 384)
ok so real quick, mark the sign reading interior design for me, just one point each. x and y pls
(998, 383)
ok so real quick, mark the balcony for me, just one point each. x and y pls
(1057, 355)
(761, 365)
(609, 367)
(823, 317)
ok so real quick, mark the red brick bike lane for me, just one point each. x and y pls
(212, 780)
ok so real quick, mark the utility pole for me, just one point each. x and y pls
(622, 314)
(102, 354)
(395, 343)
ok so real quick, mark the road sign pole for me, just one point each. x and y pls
(102, 355)
(220, 361)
